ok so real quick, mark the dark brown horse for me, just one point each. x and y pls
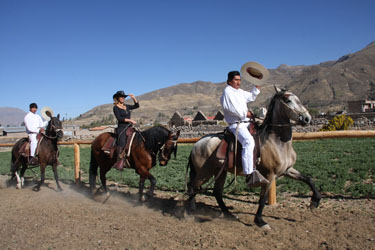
(146, 146)
(47, 153)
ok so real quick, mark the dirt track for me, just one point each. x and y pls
(70, 220)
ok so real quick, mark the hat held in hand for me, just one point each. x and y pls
(254, 73)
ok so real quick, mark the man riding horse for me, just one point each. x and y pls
(34, 125)
(234, 103)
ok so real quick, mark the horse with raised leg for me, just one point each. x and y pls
(276, 152)
(48, 153)
(146, 147)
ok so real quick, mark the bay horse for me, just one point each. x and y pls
(48, 153)
(276, 151)
(146, 146)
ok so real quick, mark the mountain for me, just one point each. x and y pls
(11, 116)
(323, 87)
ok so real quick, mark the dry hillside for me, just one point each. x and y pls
(323, 87)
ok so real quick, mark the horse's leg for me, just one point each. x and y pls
(295, 174)
(54, 167)
(258, 220)
(23, 170)
(218, 193)
(145, 174)
(42, 177)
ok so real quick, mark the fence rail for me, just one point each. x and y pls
(272, 192)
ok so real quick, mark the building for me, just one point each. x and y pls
(178, 120)
(361, 106)
(202, 119)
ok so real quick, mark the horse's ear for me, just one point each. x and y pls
(58, 116)
(48, 114)
(278, 90)
(178, 133)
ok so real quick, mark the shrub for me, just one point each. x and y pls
(339, 122)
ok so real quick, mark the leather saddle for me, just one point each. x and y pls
(226, 147)
(24, 150)
(109, 146)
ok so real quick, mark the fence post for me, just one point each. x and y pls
(272, 193)
(77, 161)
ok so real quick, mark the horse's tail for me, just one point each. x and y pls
(93, 170)
(192, 172)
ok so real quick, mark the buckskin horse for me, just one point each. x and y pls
(276, 152)
(48, 153)
(146, 146)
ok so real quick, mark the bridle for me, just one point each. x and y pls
(54, 129)
(162, 155)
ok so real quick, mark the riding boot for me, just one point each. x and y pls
(119, 165)
(33, 161)
(255, 179)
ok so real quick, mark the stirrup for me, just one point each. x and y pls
(256, 179)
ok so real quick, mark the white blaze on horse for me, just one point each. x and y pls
(276, 152)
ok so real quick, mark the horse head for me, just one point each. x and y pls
(290, 106)
(169, 147)
(54, 128)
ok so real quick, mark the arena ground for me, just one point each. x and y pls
(71, 220)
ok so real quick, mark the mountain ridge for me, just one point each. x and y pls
(326, 86)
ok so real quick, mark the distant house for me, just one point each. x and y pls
(361, 106)
(202, 119)
(219, 116)
(200, 116)
(178, 120)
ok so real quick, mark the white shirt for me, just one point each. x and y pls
(234, 103)
(34, 123)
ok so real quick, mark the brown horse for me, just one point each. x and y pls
(47, 153)
(276, 150)
(144, 150)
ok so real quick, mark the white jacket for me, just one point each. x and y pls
(234, 103)
(34, 123)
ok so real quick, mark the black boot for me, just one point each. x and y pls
(33, 161)
(119, 165)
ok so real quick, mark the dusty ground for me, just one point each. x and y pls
(70, 220)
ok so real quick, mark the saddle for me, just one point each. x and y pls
(25, 147)
(226, 147)
(109, 146)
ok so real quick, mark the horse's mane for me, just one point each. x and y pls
(154, 137)
(271, 106)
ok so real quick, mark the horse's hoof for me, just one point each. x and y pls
(265, 227)
(19, 186)
(60, 190)
(229, 216)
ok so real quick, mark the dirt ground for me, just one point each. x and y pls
(71, 220)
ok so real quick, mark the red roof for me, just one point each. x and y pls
(210, 117)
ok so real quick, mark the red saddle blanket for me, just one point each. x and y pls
(226, 147)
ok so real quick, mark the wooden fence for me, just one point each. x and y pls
(272, 193)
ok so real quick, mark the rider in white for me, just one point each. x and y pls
(34, 125)
(234, 102)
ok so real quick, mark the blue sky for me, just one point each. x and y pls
(73, 55)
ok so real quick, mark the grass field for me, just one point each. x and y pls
(337, 166)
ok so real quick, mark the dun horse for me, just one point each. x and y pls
(146, 146)
(47, 153)
(276, 150)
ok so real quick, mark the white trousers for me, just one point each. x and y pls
(248, 144)
(33, 144)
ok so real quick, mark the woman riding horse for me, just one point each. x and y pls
(122, 113)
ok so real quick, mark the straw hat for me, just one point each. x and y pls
(254, 73)
(47, 113)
